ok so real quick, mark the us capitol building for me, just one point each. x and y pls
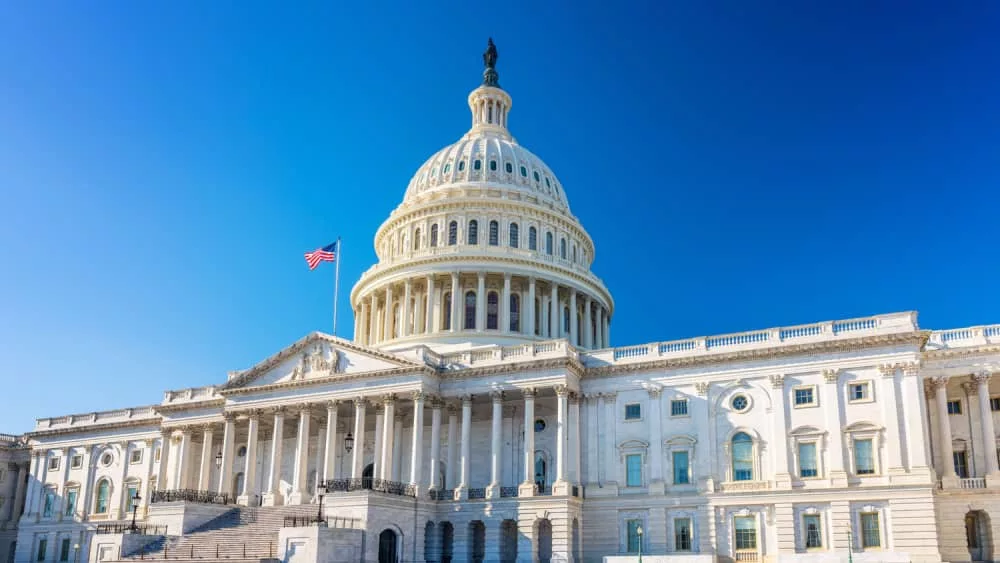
(481, 414)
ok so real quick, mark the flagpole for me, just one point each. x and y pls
(336, 285)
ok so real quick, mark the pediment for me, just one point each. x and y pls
(317, 355)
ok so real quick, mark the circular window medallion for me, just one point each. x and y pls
(106, 459)
(740, 403)
(539, 425)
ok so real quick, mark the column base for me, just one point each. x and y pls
(657, 487)
(561, 488)
(950, 482)
(526, 489)
(493, 491)
(299, 497)
(247, 500)
(461, 492)
(993, 481)
(272, 499)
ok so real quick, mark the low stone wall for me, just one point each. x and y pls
(688, 558)
(181, 517)
(319, 544)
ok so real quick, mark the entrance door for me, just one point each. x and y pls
(976, 536)
(540, 473)
(387, 547)
(366, 476)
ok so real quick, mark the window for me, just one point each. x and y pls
(954, 407)
(871, 536)
(745, 532)
(633, 411)
(682, 534)
(532, 238)
(493, 165)
(535, 174)
(807, 460)
(473, 237)
(470, 310)
(53, 463)
(461, 165)
(492, 310)
(434, 235)
(76, 462)
(547, 184)
(50, 503)
(632, 531)
(548, 243)
(562, 248)
(508, 167)
(565, 329)
(494, 233)
(812, 531)
(156, 454)
(995, 403)
(512, 235)
(539, 425)
(742, 449)
(64, 550)
(71, 496)
(740, 403)
(130, 492)
(961, 462)
(804, 396)
(515, 313)
(446, 313)
(682, 475)
(42, 545)
(859, 392)
(679, 407)
(416, 239)
(103, 493)
(447, 167)
(453, 233)
(477, 164)
(135, 456)
(864, 460)
(633, 470)
(524, 172)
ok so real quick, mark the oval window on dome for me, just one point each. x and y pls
(493, 165)
(447, 168)
(547, 184)
(509, 167)
(478, 164)
(434, 171)
(461, 165)
(536, 175)
(524, 172)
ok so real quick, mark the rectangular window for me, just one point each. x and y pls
(682, 534)
(961, 462)
(682, 474)
(804, 396)
(679, 407)
(50, 502)
(632, 529)
(53, 463)
(995, 403)
(42, 545)
(156, 453)
(954, 407)
(813, 532)
(870, 534)
(135, 456)
(131, 491)
(864, 460)
(807, 460)
(76, 462)
(859, 392)
(633, 411)
(746, 532)
(64, 550)
(71, 501)
(633, 470)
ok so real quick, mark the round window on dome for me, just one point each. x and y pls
(509, 168)
(493, 165)
(478, 164)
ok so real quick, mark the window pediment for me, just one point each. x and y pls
(633, 446)
(681, 441)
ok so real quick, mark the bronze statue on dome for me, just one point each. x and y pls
(490, 76)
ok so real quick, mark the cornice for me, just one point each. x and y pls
(570, 364)
(155, 421)
(208, 403)
(948, 353)
(335, 378)
(918, 338)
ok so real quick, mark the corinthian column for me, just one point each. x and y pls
(205, 475)
(433, 481)
(357, 463)
(982, 381)
(527, 487)
(273, 495)
(429, 308)
(496, 446)
(417, 448)
(300, 490)
(330, 461)
(462, 492)
(561, 486)
(530, 308)
(554, 311)
(940, 384)
(388, 434)
(249, 492)
(405, 313)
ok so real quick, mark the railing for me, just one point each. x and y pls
(747, 556)
(191, 495)
(543, 491)
(302, 521)
(477, 494)
(508, 492)
(368, 484)
(972, 483)
(200, 552)
(128, 528)
(741, 486)
(962, 337)
(442, 494)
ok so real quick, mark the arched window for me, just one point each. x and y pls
(494, 233)
(566, 321)
(515, 313)
(493, 165)
(461, 165)
(477, 164)
(473, 232)
(512, 235)
(562, 248)
(538, 317)
(536, 175)
(574, 253)
(447, 167)
(470, 310)
(492, 310)
(103, 497)
(508, 167)
(548, 243)
(453, 233)
(395, 321)
(434, 235)
(416, 239)
(524, 172)
(742, 449)
(446, 313)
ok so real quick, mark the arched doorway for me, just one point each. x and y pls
(447, 541)
(477, 543)
(387, 546)
(977, 536)
(366, 476)
(541, 471)
(543, 531)
(508, 541)
(238, 484)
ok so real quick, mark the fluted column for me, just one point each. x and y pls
(205, 476)
(561, 486)
(574, 439)
(593, 465)
(527, 487)
(273, 495)
(373, 320)
(363, 319)
(451, 471)
(496, 446)
(940, 384)
(462, 491)
(432, 481)
(417, 449)
(481, 301)
(20, 484)
(554, 310)
(599, 325)
(504, 308)
(228, 453)
(161, 471)
(982, 381)
(397, 450)
(457, 299)
(249, 493)
(357, 463)
(300, 490)
(588, 324)
(530, 328)
(330, 461)
(429, 308)
(388, 436)
(183, 459)
(387, 316)
(573, 328)
(34, 480)
(405, 312)
(607, 331)
(656, 484)
(379, 434)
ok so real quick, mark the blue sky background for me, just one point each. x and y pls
(740, 165)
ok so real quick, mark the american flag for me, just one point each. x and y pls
(326, 254)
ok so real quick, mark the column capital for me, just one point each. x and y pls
(778, 381)
(971, 387)
(609, 395)
(574, 397)
(452, 409)
(911, 368)
(255, 414)
(887, 370)
(467, 400)
(529, 392)
(702, 388)
(332, 405)
(831, 375)
(388, 399)
(229, 416)
(359, 402)
(654, 392)
(982, 377)
(436, 402)
(497, 396)
(419, 396)
(279, 411)
(561, 390)
(206, 428)
(936, 383)
(304, 409)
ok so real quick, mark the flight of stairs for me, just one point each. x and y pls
(242, 533)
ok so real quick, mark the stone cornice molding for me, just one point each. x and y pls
(92, 427)
(334, 378)
(569, 364)
(947, 353)
(208, 403)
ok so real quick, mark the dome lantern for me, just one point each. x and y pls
(489, 103)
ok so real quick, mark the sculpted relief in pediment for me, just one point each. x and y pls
(318, 360)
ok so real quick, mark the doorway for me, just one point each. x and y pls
(540, 472)
(977, 536)
(366, 476)
(387, 546)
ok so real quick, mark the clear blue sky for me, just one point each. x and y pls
(740, 165)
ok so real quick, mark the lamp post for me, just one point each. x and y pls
(638, 531)
(218, 459)
(135, 507)
(320, 491)
(76, 552)
(850, 547)
(349, 442)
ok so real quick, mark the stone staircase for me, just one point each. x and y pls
(242, 533)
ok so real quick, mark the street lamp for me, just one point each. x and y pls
(76, 552)
(850, 547)
(218, 459)
(135, 506)
(320, 491)
(349, 442)
(638, 530)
